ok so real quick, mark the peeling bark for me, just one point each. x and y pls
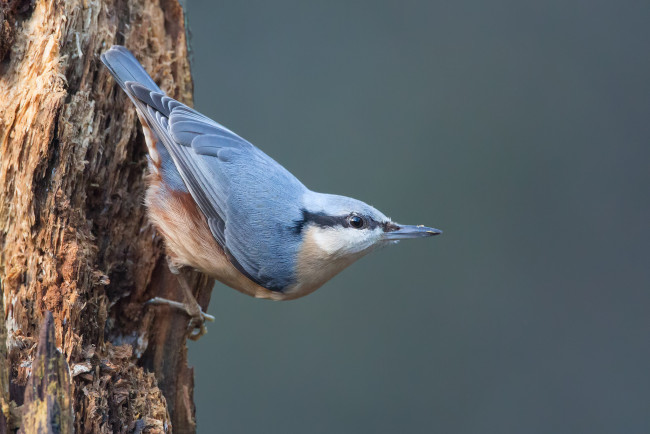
(74, 236)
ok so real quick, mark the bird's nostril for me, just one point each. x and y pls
(390, 227)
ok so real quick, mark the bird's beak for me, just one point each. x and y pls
(401, 232)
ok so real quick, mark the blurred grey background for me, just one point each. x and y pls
(522, 129)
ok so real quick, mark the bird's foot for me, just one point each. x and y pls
(193, 310)
(191, 307)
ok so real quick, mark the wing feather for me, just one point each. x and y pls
(229, 178)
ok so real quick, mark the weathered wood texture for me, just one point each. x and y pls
(74, 237)
(47, 406)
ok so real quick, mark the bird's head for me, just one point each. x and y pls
(335, 231)
(341, 226)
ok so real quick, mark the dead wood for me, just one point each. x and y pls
(74, 237)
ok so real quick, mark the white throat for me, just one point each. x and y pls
(345, 241)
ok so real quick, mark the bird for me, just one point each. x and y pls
(227, 209)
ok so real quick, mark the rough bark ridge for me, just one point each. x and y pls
(74, 237)
(47, 407)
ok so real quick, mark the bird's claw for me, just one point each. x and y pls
(197, 316)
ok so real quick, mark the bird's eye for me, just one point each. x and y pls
(356, 221)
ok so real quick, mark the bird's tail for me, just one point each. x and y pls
(125, 68)
(129, 73)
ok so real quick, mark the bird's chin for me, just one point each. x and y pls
(385, 243)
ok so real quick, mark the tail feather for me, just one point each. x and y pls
(130, 74)
(125, 68)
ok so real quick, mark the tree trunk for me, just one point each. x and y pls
(74, 236)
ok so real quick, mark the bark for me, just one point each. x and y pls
(74, 237)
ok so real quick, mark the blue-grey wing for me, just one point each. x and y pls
(248, 199)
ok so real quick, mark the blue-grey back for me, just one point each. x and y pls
(251, 201)
(263, 203)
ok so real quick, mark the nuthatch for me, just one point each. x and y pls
(228, 210)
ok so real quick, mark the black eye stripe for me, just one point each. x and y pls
(328, 221)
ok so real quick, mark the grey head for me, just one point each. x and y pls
(343, 226)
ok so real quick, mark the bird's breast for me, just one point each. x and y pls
(316, 264)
